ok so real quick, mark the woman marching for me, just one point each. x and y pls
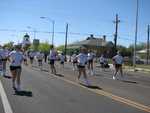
(90, 62)
(52, 58)
(82, 61)
(16, 59)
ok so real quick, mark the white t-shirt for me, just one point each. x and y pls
(118, 59)
(62, 58)
(52, 54)
(1, 53)
(82, 59)
(74, 57)
(4, 53)
(32, 54)
(16, 58)
(39, 56)
(91, 56)
(102, 59)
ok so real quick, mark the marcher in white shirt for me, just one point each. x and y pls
(90, 62)
(102, 61)
(82, 61)
(32, 55)
(52, 58)
(62, 59)
(5, 58)
(16, 59)
(25, 58)
(117, 62)
(1, 62)
(40, 57)
(74, 61)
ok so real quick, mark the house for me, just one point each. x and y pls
(98, 45)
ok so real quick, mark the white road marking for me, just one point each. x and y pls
(5, 102)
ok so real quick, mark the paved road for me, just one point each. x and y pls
(47, 93)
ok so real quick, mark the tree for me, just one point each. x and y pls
(44, 47)
(9, 45)
(70, 51)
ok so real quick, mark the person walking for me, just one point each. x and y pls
(1, 62)
(25, 58)
(117, 62)
(52, 58)
(40, 57)
(90, 62)
(62, 59)
(32, 55)
(16, 59)
(74, 61)
(82, 61)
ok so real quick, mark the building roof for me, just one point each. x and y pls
(99, 42)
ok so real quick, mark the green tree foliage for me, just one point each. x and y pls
(44, 47)
(124, 50)
(139, 46)
(9, 45)
(70, 51)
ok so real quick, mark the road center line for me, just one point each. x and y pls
(112, 96)
(5, 102)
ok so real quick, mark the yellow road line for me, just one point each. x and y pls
(112, 96)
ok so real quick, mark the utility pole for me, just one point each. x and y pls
(148, 30)
(53, 22)
(66, 38)
(136, 34)
(116, 32)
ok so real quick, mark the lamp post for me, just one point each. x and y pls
(53, 27)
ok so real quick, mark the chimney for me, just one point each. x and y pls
(104, 37)
(92, 36)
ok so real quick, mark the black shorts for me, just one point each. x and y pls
(4, 59)
(74, 62)
(118, 65)
(39, 60)
(12, 68)
(82, 67)
(101, 63)
(31, 58)
(61, 62)
(90, 61)
(52, 61)
(24, 60)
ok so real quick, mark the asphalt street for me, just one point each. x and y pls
(62, 93)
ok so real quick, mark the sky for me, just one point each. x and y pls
(83, 16)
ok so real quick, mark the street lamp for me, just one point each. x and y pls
(53, 24)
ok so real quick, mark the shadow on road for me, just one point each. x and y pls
(127, 81)
(59, 75)
(91, 86)
(24, 93)
(45, 70)
(8, 77)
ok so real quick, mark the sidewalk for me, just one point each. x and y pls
(130, 68)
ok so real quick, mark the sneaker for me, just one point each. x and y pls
(88, 72)
(14, 87)
(87, 82)
(18, 88)
(114, 78)
(122, 78)
(92, 73)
